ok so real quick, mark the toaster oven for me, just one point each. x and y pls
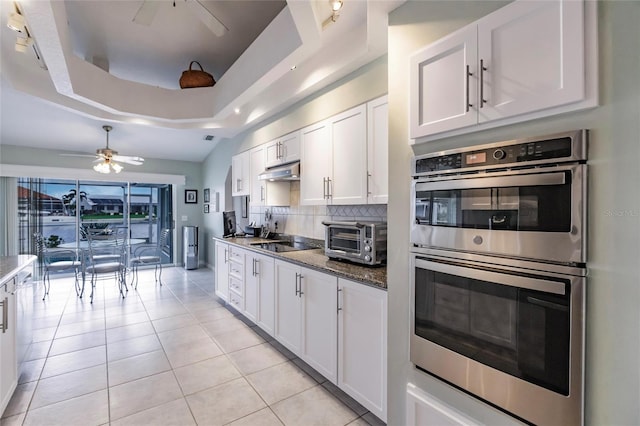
(358, 242)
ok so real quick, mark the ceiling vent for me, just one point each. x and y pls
(208, 137)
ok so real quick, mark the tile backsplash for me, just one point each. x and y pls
(307, 220)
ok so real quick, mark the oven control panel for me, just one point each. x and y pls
(497, 155)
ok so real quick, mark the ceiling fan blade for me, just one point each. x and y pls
(146, 13)
(136, 161)
(207, 18)
(79, 155)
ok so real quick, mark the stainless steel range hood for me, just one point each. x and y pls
(287, 172)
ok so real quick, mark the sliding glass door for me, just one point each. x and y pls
(64, 211)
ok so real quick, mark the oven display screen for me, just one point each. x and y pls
(476, 158)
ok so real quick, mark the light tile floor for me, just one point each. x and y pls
(165, 355)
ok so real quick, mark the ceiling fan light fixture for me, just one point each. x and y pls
(336, 6)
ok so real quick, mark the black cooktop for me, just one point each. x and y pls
(284, 246)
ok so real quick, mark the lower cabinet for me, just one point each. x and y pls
(424, 410)
(337, 326)
(306, 316)
(259, 302)
(222, 270)
(362, 345)
(8, 361)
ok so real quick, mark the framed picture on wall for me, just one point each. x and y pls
(206, 208)
(191, 196)
(206, 197)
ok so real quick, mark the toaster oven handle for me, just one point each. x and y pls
(356, 224)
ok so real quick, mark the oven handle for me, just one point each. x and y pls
(504, 278)
(356, 224)
(542, 179)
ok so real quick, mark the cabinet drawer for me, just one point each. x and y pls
(236, 301)
(235, 285)
(236, 270)
(236, 256)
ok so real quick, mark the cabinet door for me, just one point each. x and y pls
(319, 313)
(272, 153)
(240, 174)
(315, 163)
(378, 151)
(440, 89)
(288, 330)
(362, 345)
(8, 361)
(257, 165)
(290, 147)
(251, 287)
(222, 271)
(348, 183)
(265, 271)
(533, 53)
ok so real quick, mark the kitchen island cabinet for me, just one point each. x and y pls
(10, 269)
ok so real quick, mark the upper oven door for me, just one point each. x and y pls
(534, 214)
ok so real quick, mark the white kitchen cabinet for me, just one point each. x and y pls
(259, 290)
(526, 57)
(240, 174)
(315, 163)
(283, 150)
(263, 192)
(378, 151)
(306, 319)
(334, 160)
(362, 345)
(222, 270)
(424, 410)
(348, 180)
(8, 360)
(236, 277)
(288, 327)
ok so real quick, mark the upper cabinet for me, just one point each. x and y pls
(283, 150)
(526, 60)
(240, 174)
(263, 192)
(344, 158)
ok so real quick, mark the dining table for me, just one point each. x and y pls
(83, 247)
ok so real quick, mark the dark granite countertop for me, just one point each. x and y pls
(10, 266)
(316, 259)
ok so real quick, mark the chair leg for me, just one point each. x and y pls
(78, 288)
(160, 274)
(93, 286)
(45, 280)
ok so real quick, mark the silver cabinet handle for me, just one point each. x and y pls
(226, 255)
(338, 300)
(300, 292)
(257, 269)
(297, 276)
(324, 188)
(482, 70)
(5, 315)
(329, 191)
(468, 104)
(261, 193)
(368, 178)
(280, 151)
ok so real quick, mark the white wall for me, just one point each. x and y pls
(364, 84)
(613, 288)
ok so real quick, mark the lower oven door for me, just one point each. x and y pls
(533, 214)
(511, 337)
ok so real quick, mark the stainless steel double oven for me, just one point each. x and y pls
(498, 270)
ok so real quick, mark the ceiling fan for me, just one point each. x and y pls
(107, 158)
(149, 8)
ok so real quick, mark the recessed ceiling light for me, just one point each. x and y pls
(237, 110)
(293, 67)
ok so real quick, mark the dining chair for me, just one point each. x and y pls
(149, 254)
(106, 258)
(56, 260)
